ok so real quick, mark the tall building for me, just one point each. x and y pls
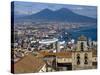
(83, 56)
(82, 43)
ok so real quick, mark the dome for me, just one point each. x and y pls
(82, 38)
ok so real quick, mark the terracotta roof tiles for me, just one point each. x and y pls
(28, 64)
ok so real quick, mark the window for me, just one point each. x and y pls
(86, 58)
(78, 59)
(82, 44)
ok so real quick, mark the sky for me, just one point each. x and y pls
(27, 8)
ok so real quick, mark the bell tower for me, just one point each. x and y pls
(82, 43)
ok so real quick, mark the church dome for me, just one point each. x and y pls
(82, 38)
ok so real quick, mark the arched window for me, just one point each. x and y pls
(82, 44)
(78, 59)
(85, 58)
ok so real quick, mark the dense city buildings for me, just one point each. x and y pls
(53, 44)
(33, 47)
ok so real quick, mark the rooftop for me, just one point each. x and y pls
(28, 64)
(59, 54)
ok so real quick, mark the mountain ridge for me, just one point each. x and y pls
(62, 14)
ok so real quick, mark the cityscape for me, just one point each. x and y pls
(52, 37)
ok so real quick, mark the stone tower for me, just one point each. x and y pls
(82, 43)
(82, 57)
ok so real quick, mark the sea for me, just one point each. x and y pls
(89, 31)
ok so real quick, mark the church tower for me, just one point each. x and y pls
(82, 43)
(82, 57)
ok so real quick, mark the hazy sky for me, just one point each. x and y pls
(22, 8)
